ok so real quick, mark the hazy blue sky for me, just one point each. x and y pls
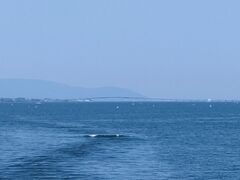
(160, 48)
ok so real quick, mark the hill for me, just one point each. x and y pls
(40, 89)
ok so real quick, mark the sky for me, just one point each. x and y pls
(180, 49)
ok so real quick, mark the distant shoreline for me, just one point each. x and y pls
(109, 99)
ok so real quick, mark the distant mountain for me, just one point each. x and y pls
(39, 89)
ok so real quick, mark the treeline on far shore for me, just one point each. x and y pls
(26, 100)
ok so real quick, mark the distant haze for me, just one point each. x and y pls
(182, 49)
(25, 88)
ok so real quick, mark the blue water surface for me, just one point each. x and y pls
(120, 140)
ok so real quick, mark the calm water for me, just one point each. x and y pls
(120, 141)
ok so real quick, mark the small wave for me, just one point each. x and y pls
(104, 135)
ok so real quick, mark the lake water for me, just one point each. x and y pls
(120, 141)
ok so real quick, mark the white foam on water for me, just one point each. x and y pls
(104, 135)
(92, 135)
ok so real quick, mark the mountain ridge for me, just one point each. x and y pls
(40, 89)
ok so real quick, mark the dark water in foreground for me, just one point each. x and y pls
(120, 141)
